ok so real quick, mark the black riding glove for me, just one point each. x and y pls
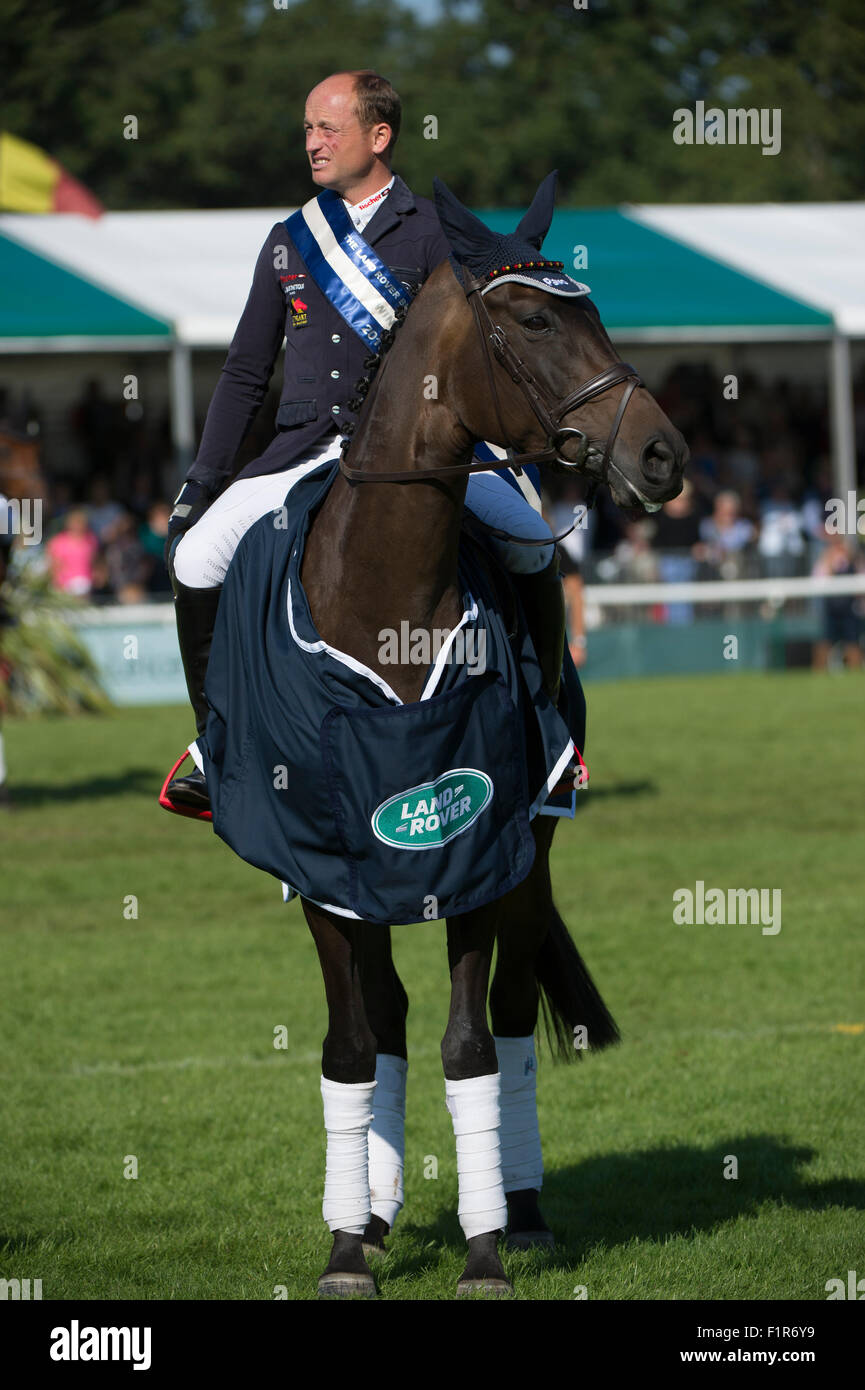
(191, 503)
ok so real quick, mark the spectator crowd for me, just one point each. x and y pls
(755, 501)
(103, 550)
(754, 504)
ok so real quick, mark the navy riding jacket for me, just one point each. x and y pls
(323, 356)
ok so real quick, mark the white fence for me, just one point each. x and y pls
(135, 647)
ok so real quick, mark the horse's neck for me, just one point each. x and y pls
(380, 554)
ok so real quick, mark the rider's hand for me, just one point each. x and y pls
(191, 503)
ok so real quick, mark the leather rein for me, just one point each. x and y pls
(549, 412)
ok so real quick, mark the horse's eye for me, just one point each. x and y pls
(536, 324)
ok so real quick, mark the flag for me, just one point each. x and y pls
(31, 181)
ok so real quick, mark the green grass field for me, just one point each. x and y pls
(153, 1036)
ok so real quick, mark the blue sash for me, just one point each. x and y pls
(347, 271)
(531, 488)
(363, 290)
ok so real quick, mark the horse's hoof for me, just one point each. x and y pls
(492, 1288)
(530, 1240)
(375, 1252)
(347, 1286)
(373, 1238)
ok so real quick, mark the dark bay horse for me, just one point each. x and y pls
(522, 368)
(20, 473)
(22, 483)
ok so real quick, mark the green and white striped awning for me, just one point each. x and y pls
(41, 302)
(648, 284)
(662, 274)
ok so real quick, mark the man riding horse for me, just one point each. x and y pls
(331, 765)
(308, 289)
(352, 121)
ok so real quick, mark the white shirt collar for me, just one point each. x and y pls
(360, 213)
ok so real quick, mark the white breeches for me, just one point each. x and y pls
(203, 554)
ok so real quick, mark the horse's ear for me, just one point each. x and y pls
(534, 226)
(471, 241)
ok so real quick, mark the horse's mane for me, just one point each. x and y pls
(371, 366)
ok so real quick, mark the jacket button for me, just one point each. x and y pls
(334, 337)
(334, 410)
(334, 375)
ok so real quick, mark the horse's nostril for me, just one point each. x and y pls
(658, 460)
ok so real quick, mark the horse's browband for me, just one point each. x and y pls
(549, 413)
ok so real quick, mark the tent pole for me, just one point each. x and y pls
(182, 407)
(842, 429)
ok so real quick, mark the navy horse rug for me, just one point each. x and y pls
(318, 773)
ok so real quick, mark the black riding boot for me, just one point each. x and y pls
(195, 610)
(543, 603)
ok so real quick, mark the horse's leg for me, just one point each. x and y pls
(524, 919)
(472, 1091)
(347, 1086)
(386, 1005)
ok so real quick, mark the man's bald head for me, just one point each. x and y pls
(373, 98)
(334, 93)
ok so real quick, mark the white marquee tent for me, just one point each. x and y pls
(177, 281)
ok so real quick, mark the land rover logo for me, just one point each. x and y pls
(426, 816)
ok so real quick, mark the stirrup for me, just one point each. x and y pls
(177, 808)
(574, 778)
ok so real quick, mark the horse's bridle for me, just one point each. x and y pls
(550, 413)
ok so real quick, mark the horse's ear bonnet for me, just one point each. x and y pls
(498, 257)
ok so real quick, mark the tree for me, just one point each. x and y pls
(518, 87)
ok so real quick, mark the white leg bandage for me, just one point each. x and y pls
(474, 1108)
(347, 1118)
(387, 1138)
(2, 762)
(522, 1164)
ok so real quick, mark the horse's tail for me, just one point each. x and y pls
(575, 1015)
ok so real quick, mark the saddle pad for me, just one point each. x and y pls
(430, 802)
(319, 774)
